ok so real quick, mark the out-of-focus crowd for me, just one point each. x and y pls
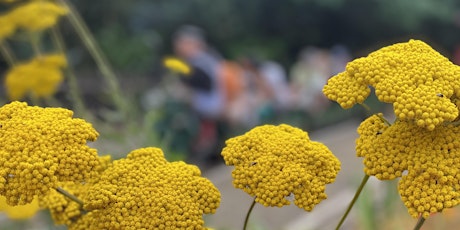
(224, 94)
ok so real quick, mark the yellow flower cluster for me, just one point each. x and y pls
(40, 77)
(40, 147)
(32, 16)
(273, 163)
(144, 191)
(177, 65)
(419, 82)
(431, 160)
(65, 211)
(20, 211)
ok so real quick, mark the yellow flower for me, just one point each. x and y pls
(431, 160)
(177, 65)
(36, 15)
(65, 211)
(21, 211)
(144, 191)
(7, 27)
(40, 77)
(419, 82)
(40, 147)
(275, 162)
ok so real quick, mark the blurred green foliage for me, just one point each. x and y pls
(135, 34)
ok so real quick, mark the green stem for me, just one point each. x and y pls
(35, 42)
(369, 112)
(95, 51)
(367, 108)
(420, 222)
(7, 54)
(358, 192)
(70, 196)
(79, 105)
(249, 213)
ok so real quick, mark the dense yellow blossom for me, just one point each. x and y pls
(40, 77)
(20, 211)
(40, 147)
(273, 163)
(177, 65)
(65, 211)
(431, 160)
(419, 82)
(36, 15)
(144, 191)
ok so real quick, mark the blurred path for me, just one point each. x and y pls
(230, 215)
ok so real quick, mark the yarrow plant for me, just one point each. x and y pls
(44, 156)
(144, 191)
(45, 161)
(420, 147)
(41, 76)
(38, 78)
(273, 163)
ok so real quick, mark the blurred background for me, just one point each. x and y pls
(252, 62)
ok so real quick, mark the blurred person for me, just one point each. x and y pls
(308, 76)
(207, 95)
(340, 56)
(264, 94)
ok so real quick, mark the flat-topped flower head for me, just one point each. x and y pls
(36, 15)
(39, 77)
(431, 159)
(144, 191)
(274, 162)
(40, 147)
(419, 82)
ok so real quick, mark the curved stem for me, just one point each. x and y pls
(35, 43)
(358, 192)
(249, 213)
(79, 105)
(366, 107)
(420, 222)
(95, 51)
(7, 54)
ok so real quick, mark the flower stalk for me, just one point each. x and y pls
(355, 198)
(95, 51)
(70, 196)
(420, 222)
(249, 213)
(79, 106)
(7, 54)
